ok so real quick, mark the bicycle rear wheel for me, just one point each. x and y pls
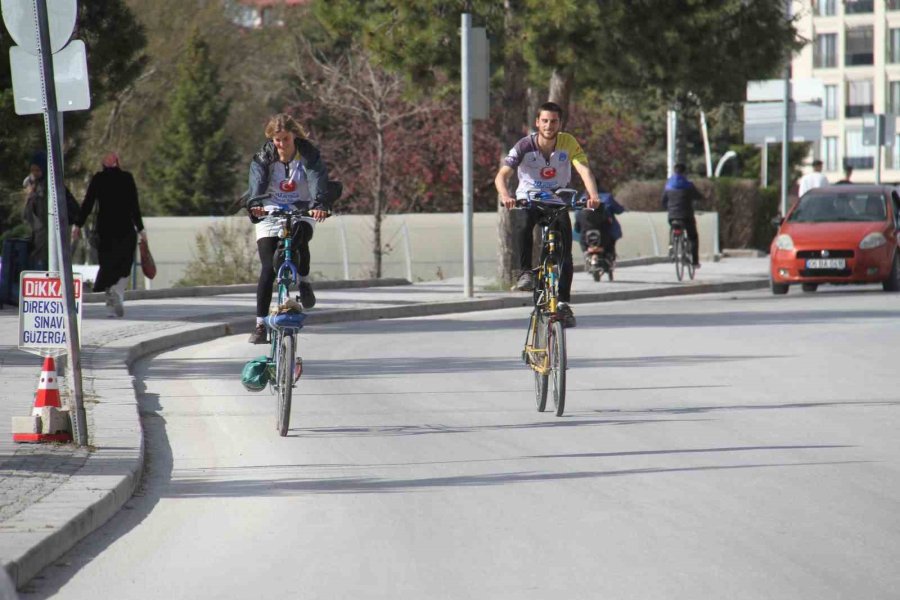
(539, 343)
(688, 258)
(557, 378)
(679, 257)
(285, 374)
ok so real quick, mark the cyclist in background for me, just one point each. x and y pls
(543, 161)
(289, 168)
(603, 219)
(678, 199)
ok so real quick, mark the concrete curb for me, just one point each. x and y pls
(113, 472)
(240, 288)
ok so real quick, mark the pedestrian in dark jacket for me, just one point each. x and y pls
(35, 211)
(678, 199)
(117, 226)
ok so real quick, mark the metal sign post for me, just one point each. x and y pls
(475, 105)
(41, 32)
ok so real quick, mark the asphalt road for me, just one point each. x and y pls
(730, 446)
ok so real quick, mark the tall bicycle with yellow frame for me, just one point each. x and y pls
(545, 341)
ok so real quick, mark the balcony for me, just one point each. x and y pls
(853, 111)
(858, 7)
(859, 162)
(858, 59)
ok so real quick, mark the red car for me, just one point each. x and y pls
(838, 234)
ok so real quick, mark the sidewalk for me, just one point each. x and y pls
(51, 496)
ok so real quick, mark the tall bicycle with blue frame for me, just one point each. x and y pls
(284, 366)
(545, 340)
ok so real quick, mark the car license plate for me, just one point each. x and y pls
(826, 263)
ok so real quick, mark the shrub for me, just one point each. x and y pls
(225, 254)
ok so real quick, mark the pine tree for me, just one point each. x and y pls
(192, 172)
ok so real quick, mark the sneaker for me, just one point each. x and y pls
(671, 254)
(307, 297)
(259, 335)
(118, 305)
(566, 315)
(525, 283)
(109, 302)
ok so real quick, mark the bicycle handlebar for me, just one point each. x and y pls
(561, 198)
(277, 208)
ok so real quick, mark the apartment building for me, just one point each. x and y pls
(854, 48)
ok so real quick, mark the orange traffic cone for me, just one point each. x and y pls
(47, 397)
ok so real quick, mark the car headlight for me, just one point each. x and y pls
(873, 240)
(784, 242)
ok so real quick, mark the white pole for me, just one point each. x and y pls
(709, 171)
(468, 161)
(343, 233)
(408, 247)
(764, 165)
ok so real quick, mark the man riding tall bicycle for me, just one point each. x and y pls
(543, 161)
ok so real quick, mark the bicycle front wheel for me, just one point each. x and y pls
(285, 377)
(539, 343)
(557, 378)
(679, 257)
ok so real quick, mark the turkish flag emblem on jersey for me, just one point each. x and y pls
(548, 173)
(288, 185)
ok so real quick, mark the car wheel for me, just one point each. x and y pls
(779, 289)
(809, 287)
(892, 283)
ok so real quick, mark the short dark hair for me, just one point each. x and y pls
(817, 163)
(551, 107)
(679, 168)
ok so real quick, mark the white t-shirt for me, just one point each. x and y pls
(287, 185)
(811, 181)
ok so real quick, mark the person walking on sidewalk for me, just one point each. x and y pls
(815, 179)
(678, 199)
(544, 161)
(35, 214)
(118, 225)
(289, 167)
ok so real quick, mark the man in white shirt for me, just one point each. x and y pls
(814, 179)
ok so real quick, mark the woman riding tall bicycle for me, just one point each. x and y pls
(543, 161)
(290, 169)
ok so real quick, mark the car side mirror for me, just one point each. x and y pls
(777, 220)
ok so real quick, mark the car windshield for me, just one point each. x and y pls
(837, 208)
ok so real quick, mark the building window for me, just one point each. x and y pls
(831, 102)
(893, 4)
(859, 98)
(855, 7)
(856, 155)
(893, 99)
(892, 154)
(829, 153)
(860, 46)
(825, 54)
(827, 8)
(893, 46)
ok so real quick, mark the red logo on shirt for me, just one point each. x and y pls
(288, 185)
(548, 173)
